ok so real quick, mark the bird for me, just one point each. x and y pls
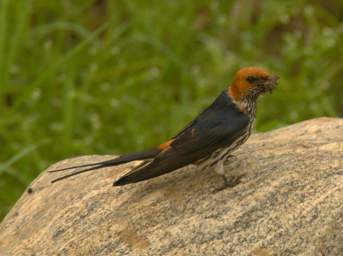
(207, 141)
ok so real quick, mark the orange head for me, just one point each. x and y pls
(250, 82)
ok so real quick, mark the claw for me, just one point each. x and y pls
(229, 183)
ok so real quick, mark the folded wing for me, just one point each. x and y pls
(217, 127)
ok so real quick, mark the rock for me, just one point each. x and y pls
(290, 202)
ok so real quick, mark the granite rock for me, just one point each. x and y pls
(289, 202)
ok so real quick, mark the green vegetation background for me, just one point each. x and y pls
(106, 77)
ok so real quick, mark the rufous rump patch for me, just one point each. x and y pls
(165, 145)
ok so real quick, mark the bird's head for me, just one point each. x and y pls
(250, 82)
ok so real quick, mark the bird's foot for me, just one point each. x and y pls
(232, 162)
(229, 182)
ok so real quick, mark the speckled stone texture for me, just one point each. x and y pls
(290, 202)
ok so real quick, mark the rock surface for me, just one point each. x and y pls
(290, 202)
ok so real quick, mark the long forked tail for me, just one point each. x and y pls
(151, 169)
(112, 162)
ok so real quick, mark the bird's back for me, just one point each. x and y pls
(217, 127)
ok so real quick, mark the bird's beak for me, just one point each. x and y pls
(274, 79)
(272, 82)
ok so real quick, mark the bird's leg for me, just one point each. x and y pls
(229, 158)
(228, 182)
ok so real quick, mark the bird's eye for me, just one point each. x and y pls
(253, 79)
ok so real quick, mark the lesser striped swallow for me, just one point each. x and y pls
(206, 141)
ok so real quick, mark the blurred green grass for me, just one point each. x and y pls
(106, 77)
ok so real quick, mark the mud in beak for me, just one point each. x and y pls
(271, 83)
